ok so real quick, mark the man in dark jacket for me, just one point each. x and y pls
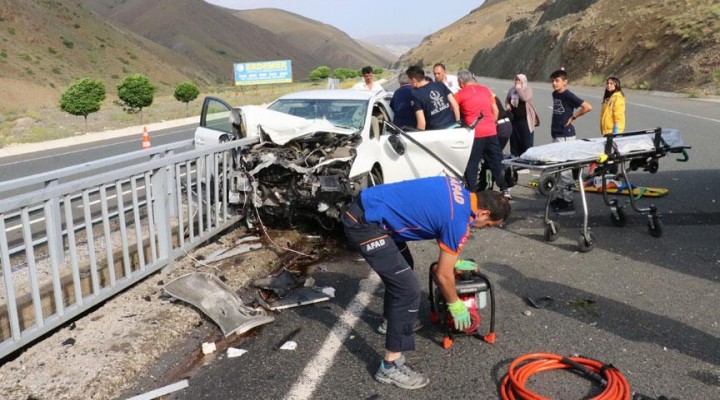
(401, 104)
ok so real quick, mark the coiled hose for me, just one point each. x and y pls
(513, 387)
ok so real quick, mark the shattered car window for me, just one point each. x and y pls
(341, 113)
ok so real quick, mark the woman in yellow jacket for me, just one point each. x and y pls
(612, 113)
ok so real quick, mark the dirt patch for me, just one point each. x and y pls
(21, 95)
(103, 353)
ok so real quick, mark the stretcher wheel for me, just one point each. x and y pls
(586, 243)
(546, 185)
(652, 166)
(552, 231)
(655, 226)
(620, 220)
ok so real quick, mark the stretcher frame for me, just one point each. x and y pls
(625, 162)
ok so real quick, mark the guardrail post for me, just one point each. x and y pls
(161, 207)
(52, 213)
(173, 210)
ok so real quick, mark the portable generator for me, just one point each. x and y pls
(472, 287)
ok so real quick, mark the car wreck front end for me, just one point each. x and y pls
(298, 169)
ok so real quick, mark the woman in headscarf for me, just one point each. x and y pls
(612, 113)
(525, 119)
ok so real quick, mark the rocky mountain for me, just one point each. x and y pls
(396, 45)
(650, 44)
(45, 45)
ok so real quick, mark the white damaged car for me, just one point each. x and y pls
(315, 150)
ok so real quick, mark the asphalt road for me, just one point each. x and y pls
(647, 305)
(25, 164)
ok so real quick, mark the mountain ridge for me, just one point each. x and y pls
(671, 45)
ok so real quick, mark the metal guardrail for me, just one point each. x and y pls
(63, 174)
(104, 232)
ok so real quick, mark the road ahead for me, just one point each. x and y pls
(648, 305)
(22, 165)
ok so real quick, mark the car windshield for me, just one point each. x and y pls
(341, 113)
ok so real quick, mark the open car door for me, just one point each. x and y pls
(216, 123)
(417, 154)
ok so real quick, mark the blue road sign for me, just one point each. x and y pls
(257, 73)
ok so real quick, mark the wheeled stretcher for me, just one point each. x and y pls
(625, 152)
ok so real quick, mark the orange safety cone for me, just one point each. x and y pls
(145, 139)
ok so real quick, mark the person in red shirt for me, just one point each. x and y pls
(475, 100)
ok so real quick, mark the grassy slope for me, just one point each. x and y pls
(51, 44)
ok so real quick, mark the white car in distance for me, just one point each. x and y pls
(315, 150)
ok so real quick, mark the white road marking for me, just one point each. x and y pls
(676, 112)
(633, 103)
(18, 226)
(315, 370)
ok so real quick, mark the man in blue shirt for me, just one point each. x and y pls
(434, 104)
(564, 104)
(387, 216)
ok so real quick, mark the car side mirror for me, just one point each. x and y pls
(397, 145)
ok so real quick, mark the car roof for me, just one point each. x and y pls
(330, 94)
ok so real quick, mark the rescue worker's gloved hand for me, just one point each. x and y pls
(460, 314)
(465, 265)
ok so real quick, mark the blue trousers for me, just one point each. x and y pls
(393, 262)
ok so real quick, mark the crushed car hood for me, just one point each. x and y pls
(279, 127)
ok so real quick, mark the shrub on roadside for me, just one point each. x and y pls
(83, 97)
(135, 93)
(186, 92)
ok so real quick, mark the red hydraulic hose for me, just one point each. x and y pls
(513, 387)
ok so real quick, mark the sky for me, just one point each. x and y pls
(364, 18)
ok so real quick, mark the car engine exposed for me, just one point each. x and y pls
(306, 178)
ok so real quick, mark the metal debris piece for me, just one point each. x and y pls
(247, 239)
(314, 238)
(217, 301)
(280, 283)
(540, 302)
(297, 297)
(235, 251)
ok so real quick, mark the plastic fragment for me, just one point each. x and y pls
(208, 348)
(233, 352)
(289, 345)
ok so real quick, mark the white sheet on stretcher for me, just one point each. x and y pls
(595, 147)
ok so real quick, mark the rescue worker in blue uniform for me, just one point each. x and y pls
(382, 219)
